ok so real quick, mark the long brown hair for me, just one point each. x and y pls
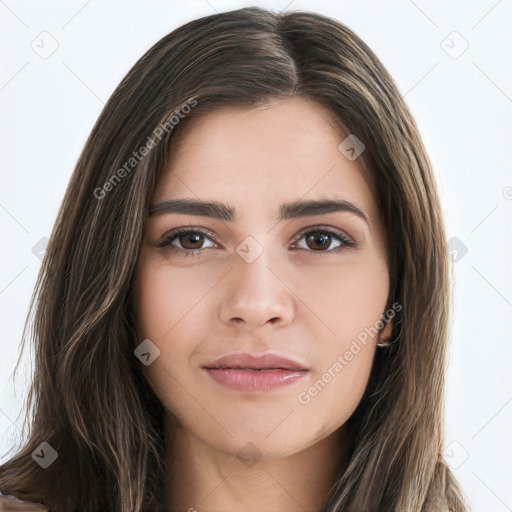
(89, 400)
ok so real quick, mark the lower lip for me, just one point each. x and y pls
(256, 380)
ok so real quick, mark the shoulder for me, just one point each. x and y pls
(11, 504)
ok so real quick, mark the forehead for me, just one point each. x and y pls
(287, 149)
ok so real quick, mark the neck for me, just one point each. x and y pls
(201, 478)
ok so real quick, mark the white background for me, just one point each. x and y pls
(461, 101)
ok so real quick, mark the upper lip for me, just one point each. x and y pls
(264, 361)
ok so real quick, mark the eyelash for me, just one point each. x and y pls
(165, 242)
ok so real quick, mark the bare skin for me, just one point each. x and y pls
(305, 297)
(12, 504)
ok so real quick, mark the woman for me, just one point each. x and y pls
(244, 304)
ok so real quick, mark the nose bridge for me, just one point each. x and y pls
(255, 269)
(254, 265)
(255, 293)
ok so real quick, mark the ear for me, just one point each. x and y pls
(385, 335)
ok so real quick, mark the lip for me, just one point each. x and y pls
(250, 372)
(263, 361)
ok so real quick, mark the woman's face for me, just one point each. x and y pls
(251, 276)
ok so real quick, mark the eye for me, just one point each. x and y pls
(320, 240)
(190, 241)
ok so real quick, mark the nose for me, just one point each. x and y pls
(256, 294)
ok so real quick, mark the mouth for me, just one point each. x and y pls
(248, 372)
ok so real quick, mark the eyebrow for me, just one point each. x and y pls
(221, 211)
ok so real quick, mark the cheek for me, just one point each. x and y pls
(335, 392)
(168, 300)
(170, 309)
(350, 304)
(347, 298)
(361, 297)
